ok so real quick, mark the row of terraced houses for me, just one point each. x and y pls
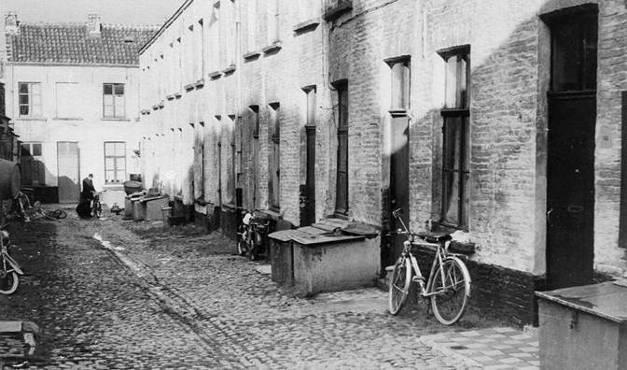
(502, 119)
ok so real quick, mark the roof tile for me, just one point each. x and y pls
(72, 44)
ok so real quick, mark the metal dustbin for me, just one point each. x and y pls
(139, 210)
(166, 213)
(128, 207)
(584, 327)
(282, 257)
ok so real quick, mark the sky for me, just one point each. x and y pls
(75, 11)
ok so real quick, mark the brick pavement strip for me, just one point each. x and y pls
(178, 299)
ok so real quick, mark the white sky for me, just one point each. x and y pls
(75, 11)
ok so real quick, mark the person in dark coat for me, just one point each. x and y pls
(87, 195)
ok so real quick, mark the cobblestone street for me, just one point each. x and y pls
(119, 294)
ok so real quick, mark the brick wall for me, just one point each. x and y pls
(510, 58)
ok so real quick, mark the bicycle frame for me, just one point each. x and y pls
(440, 255)
(8, 260)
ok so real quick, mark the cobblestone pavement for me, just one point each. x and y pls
(119, 294)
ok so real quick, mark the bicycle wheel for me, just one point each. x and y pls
(399, 285)
(8, 282)
(59, 214)
(451, 285)
(241, 242)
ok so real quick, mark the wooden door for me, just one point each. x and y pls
(68, 172)
(570, 206)
(399, 179)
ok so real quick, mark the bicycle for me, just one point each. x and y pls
(9, 268)
(96, 206)
(23, 209)
(448, 283)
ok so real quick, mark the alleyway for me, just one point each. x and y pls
(119, 294)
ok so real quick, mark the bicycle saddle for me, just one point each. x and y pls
(435, 236)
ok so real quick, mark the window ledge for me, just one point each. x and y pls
(228, 70)
(308, 25)
(215, 75)
(177, 94)
(155, 107)
(272, 49)
(145, 111)
(24, 118)
(251, 55)
(200, 83)
(398, 112)
(334, 11)
(189, 87)
(68, 119)
(170, 97)
(161, 104)
(115, 119)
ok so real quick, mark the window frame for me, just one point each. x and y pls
(342, 164)
(115, 158)
(459, 151)
(29, 94)
(115, 115)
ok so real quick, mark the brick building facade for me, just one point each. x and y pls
(483, 116)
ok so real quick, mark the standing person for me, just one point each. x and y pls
(87, 195)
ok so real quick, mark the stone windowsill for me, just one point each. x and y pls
(228, 70)
(308, 25)
(116, 119)
(200, 83)
(189, 87)
(155, 107)
(335, 11)
(251, 55)
(274, 48)
(161, 104)
(178, 94)
(215, 75)
(68, 119)
(170, 97)
(33, 118)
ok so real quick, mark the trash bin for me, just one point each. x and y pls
(166, 212)
(139, 210)
(583, 327)
(282, 257)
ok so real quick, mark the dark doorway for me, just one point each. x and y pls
(399, 179)
(68, 167)
(570, 167)
(308, 191)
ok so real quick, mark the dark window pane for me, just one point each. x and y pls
(108, 89)
(24, 99)
(119, 89)
(36, 149)
(26, 149)
(24, 110)
(23, 87)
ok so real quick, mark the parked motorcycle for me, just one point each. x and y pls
(252, 235)
(9, 268)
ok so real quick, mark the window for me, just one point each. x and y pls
(33, 170)
(274, 184)
(67, 96)
(115, 162)
(400, 85)
(456, 140)
(30, 99)
(113, 101)
(341, 201)
(251, 25)
(574, 54)
(273, 22)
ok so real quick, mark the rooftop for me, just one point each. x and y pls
(75, 44)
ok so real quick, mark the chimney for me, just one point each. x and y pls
(94, 25)
(11, 26)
